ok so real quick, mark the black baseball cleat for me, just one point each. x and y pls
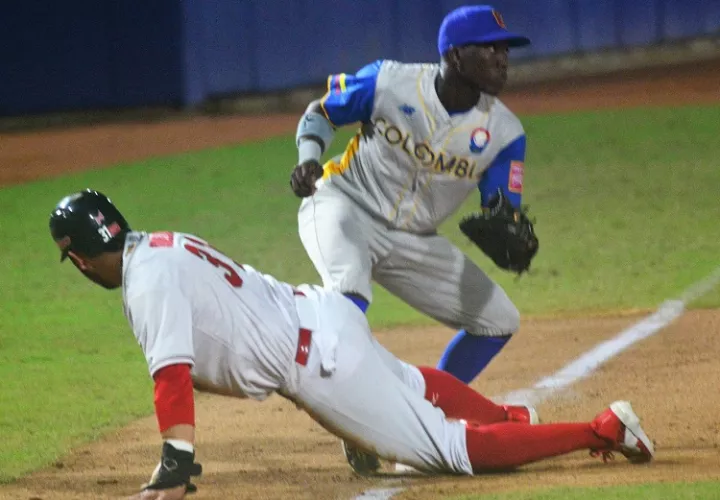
(362, 462)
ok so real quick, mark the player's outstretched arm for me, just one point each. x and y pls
(314, 135)
(175, 411)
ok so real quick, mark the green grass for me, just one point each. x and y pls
(667, 491)
(626, 211)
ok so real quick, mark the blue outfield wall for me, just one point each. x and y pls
(88, 54)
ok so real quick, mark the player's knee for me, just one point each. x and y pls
(505, 315)
(504, 321)
(511, 320)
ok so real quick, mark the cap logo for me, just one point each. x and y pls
(499, 19)
(99, 218)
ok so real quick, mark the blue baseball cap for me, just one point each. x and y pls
(475, 24)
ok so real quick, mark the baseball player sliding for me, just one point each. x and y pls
(430, 135)
(206, 321)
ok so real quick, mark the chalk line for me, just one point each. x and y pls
(379, 494)
(587, 363)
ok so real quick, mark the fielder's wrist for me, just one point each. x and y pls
(309, 149)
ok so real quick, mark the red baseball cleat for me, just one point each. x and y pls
(620, 426)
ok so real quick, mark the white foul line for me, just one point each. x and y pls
(378, 494)
(587, 363)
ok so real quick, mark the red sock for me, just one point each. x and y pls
(507, 445)
(458, 400)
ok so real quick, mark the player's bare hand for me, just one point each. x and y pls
(170, 494)
(303, 177)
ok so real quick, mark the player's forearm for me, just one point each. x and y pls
(175, 402)
(175, 411)
(314, 133)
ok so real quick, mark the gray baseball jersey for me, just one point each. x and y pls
(408, 168)
(247, 334)
(412, 164)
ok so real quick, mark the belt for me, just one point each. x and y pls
(304, 338)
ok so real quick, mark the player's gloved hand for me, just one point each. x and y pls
(171, 478)
(303, 177)
(503, 233)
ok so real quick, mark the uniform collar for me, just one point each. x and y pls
(484, 104)
(132, 241)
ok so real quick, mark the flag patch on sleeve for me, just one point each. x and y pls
(515, 183)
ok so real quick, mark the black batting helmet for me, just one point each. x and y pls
(87, 223)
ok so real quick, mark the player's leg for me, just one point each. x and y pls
(455, 398)
(335, 234)
(504, 446)
(435, 277)
(337, 237)
(365, 402)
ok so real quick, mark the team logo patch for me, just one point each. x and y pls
(479, 139)
(99, 218)
(499, 19)
(515, 183)
(162, 239)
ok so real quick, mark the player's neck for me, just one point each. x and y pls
(115, 268)
(455, 94)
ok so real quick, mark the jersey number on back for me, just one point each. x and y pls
(232, 277)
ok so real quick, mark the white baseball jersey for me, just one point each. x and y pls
(187, 303)
(241, 331)
(412, 164)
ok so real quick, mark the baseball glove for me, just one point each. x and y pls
(503, 233)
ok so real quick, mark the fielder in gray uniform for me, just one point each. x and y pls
(431, 134)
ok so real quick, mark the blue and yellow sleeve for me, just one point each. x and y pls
(350, 98)
(505, 172)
